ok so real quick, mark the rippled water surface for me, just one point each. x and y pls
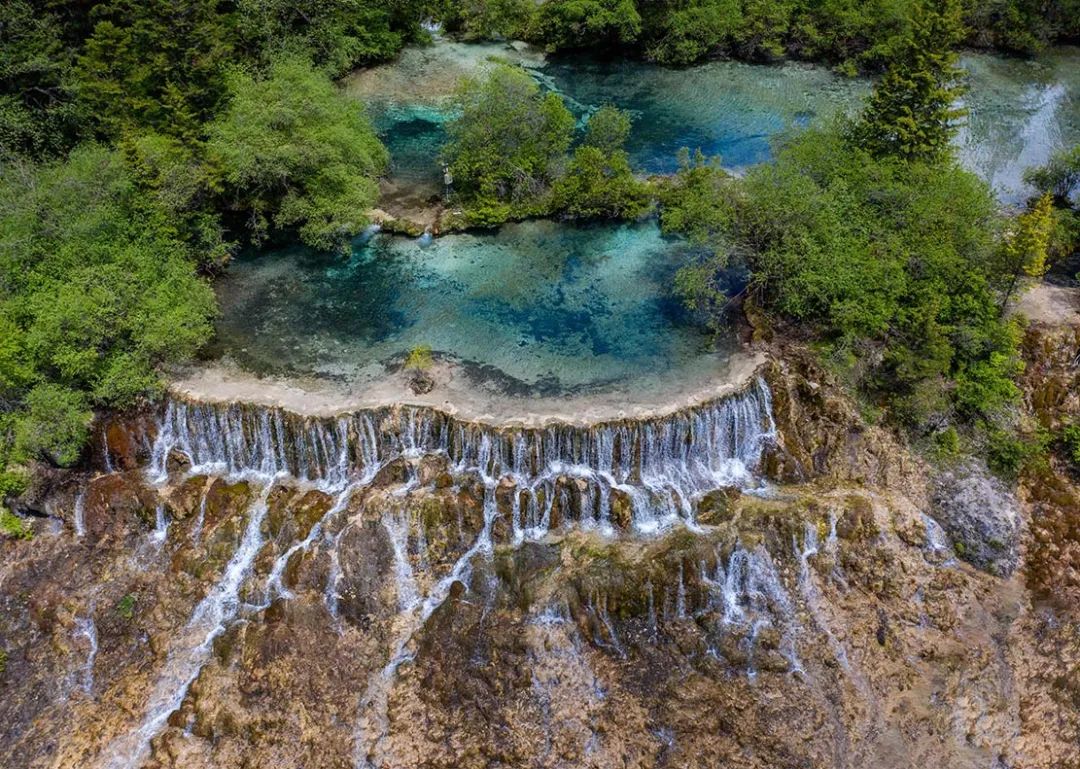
(1020, 110)
(540, 307)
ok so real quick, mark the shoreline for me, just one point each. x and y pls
(222, 383)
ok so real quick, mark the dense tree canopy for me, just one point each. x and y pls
(854, 34)
(96, 290)
(293, 152)
(508, 154)
(893, 261)
(337, 35)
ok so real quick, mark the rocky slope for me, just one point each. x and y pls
(440, 609)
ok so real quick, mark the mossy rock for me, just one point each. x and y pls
(225, 501)
(718, 507)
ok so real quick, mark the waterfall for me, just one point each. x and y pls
(644, 475)
(938, 549)
(87, 630)
(161, 526)
(80, 514)
(750, 594)
(373, 722)
(191, 650)
(655, 469)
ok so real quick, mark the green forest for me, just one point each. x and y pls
(144, 142)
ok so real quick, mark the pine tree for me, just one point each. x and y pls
(912, 112)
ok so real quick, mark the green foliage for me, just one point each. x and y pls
(598, 181)
(489, 19)
(155, 63)
(508, 155)
(419, 359)
(15, 527)
(38, 113)
(1025, 250)
(125, 607)
(96, 292)
(911, 113)
(1010, 453)
(1060, 177)
(505, 143)
(699, 203)
(55, 424)
(597, 185)
(564, 24)
(853, 34)
(1022, 26)
(1070, 439)
(947, 443)
(892, 260)
(336, 35)
(295, 152)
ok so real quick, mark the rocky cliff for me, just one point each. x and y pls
(759, 582)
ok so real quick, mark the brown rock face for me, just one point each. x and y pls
(818, 623)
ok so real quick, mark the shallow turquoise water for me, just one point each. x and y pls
(538, 307)
(1020, 110)
(547, 308)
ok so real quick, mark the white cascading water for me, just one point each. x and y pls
(192, 647)
(661, 466)
(86, 633)
(750, 594)
(79, 514)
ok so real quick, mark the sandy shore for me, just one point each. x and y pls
(455, 394)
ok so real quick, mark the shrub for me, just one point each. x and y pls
(125, 607)
(13, 526)
(295, 152)
(1011, 453)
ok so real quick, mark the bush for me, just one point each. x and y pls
(1011, 453)
(1070, 438)
(96, 292)
(54, 425)
(598, 182)
(295, 152)
(125, 607)
(506, 142)
(15, 527)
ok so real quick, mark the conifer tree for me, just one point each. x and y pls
(912, 113)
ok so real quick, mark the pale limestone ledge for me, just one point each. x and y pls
(221, 383)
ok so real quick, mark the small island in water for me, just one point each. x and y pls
(569, 383)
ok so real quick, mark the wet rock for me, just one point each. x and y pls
(391, 474)
(717, 506)
(366, 591)
(118, 501)
(432, 469)
(125, 441)
(225, 500)
(980, 515)
(622, 509)
(177, 462)
(185, 500)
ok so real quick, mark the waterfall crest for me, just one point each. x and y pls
(649, 471)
